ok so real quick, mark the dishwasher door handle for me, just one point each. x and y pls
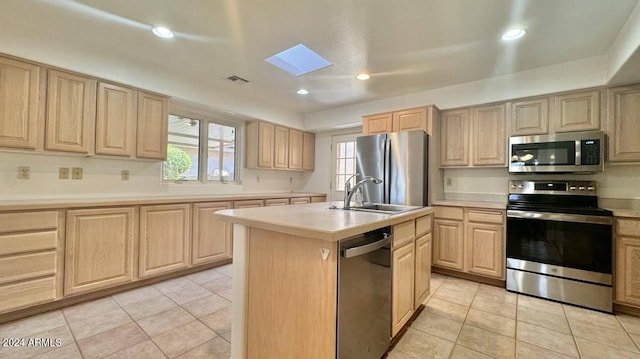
(360, 250)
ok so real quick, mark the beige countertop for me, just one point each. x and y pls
(316, 220)
(617, 212)
(128, 201)
(490, 205)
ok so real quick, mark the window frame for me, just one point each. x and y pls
(207, 117)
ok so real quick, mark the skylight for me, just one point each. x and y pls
(298, 60)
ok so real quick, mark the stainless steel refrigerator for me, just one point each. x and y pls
(400, 159)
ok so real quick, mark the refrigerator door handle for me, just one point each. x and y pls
(387, 170)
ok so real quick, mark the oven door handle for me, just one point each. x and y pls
(559, 217)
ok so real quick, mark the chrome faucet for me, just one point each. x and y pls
(349, 192)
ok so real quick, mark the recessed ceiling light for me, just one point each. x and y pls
(162, 32)
(302, 92)
(363, 76)
(513, 34)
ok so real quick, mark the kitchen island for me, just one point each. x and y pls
(286, 274)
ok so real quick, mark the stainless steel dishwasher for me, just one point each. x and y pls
(364, 295)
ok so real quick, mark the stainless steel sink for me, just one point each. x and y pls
(384, 208)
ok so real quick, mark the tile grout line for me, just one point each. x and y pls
(463, 321)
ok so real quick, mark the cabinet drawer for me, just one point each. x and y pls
(248, 203)
(423, 225)
(301, 200)
(403, 233)
(27, 242)
(276, 202)
(486, 216)
(28, 221)
(449, 213)
(27, 266)
(27, 293)
(628, 227)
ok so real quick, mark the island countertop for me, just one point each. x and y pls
(316, 220)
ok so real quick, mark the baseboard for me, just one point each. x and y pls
(468, 276)
(626, 309)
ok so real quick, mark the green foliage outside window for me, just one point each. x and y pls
(177, 163)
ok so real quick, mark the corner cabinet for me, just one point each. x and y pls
(22, 100)
(271, 146)
(101, 248)
(627, 269)
(211, 237)
(165, 238)
(71, 112)
(623, 123)
(152, 126)
(411, 269)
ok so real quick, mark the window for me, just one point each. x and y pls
(190, 159)
(343, 149)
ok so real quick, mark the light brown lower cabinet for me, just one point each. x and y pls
(211, 237)
(423, 269)
(276, 202)
(300, 200)
(101, 248)
(470, 240)
(250, 203)
(403, 286)
(165, 238)
(627, 265)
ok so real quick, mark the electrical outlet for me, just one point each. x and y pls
(76, 173)
(257, 179)
(449, 181)
(24, 172)
(63, 173)
(290, 179)
(125, 175)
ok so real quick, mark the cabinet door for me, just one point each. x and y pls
(489, 136)
(423, 269)
(454, 138)
(115, 120)
(448, 244)
(578, 111)
(379, 123)
(529, 117)
(407, 120)
(485, 249)
(164, 238)
(211, 237)
(265, 144)
(20, 103)
(100, 249)
(153, 122)
(295, 149)
(623, 123)
(628, 270)
(71, 113)
(281, 146)
(402, 286)
(308, 151)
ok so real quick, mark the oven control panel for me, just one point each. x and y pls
(584, 188)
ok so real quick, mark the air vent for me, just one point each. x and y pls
(237, 80)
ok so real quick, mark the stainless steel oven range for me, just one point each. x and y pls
(559, 243)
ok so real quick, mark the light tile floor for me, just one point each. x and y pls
(464, 319)
(187, 317)
(190, 317)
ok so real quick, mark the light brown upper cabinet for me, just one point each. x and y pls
(454, 138)
(529, 117)
(116, 120)
(71, 112)
(378, 123)
(152, 126)
(21, 103)
(295, 149)
(308, 151)
(281, 147)
(576, 111)
(623, 123)
(101, 245)
(489, 143)
(420, 118)
(165, 238)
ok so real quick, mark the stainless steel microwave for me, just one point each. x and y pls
(570, 152)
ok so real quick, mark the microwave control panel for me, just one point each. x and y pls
(590, 152)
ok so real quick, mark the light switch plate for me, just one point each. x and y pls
(63, 173)
(76, 173)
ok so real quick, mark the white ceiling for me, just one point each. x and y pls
(407, 45)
